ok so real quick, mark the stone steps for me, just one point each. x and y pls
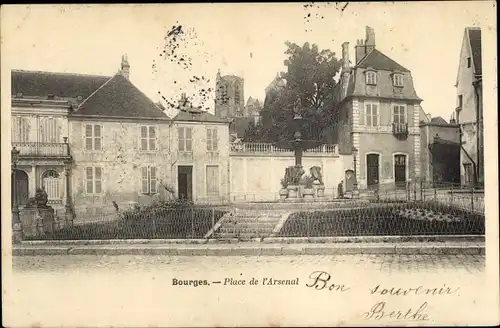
(247, 224)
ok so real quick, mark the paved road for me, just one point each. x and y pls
(372, 263)
(128, 290)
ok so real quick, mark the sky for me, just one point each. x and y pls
(247, 40)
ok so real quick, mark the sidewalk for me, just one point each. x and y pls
(253, 249)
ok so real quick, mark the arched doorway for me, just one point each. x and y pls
(51, 182)
(20, 178)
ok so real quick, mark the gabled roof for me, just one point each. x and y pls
(119, 98)
(377, 60)
(195, 115)
(475, 45)
(61, 85)
(438, 120)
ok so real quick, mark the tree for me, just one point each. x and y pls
(310, 77)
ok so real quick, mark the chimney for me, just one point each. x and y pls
(125, 69)
(370, 39)
(345, 56)
(360, 50)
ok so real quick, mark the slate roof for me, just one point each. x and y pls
(475, 44)
(438, 120)
(198, 116)
(61, 85)
(376, 59)
(118, 97)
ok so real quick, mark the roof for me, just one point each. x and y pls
(62, 85)
(376, 59)
(196, 115)
(118, 97)
(475, 45)
(438, 120)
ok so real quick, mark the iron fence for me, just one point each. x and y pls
(385, 217)
(139, 223)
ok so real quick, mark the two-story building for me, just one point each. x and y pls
(379, 117)
(469, 111)
(90, 141)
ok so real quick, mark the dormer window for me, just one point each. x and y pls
(371, 78)
(397, 80)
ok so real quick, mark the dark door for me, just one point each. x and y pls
(185, 182)
(372, 164)
(400, 170)
(22, 188)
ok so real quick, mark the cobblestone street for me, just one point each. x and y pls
(372, 263)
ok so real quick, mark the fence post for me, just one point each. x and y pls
(192, 222)
(472, 200)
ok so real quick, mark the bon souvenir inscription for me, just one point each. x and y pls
(383, 308)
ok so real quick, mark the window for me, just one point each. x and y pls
(149, 180)
(93, 137)
(468, 62)
(49, 132)
(237, 95)
(399, 114)
(460, 101)
(397, 80)
(371, 114)
(212, 179)
(52, 183)
(371, 78)
(185, 139)
(212, 140)
(148, 137)
(94, 180)
(20, 129)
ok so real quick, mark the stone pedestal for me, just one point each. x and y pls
(38, 221)
(292, 192)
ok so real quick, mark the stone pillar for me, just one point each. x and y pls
(68, 203)
(17, 229)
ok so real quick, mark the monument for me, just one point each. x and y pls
(37, 217)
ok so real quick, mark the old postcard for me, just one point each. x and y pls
(250, 164)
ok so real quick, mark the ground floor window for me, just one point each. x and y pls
(51, 182)
(149, 180)
(212, 175)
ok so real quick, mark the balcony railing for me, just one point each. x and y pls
(260, 147)
(400, 128)
(39, 149)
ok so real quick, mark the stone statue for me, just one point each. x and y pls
(40, 200)
(315, 172)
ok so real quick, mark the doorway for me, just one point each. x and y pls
(185, 182)
(372, 168)
(22, 187)
(400, 170)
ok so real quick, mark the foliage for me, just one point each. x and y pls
(253, 133)
(310, 77)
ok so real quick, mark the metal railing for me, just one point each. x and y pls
(400, 128)
(261, 147)
(39, 149)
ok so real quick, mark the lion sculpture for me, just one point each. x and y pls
(315, 172)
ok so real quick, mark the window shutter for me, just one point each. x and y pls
(144, 138)
(153, 179)
(88, 137)
(209, 139)
(98, 180)
(152, 138)
(97, 137)
(215, 138)
(189, 136)
(144, 180)
(180, 137)
(89, 181)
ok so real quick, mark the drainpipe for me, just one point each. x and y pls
(478, 126)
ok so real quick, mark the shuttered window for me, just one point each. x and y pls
(20, 129)
(212, 139)
(93, 137)
(94, 180)
(212, 177)
(185, 139)
(149, 180)
(148, 138)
